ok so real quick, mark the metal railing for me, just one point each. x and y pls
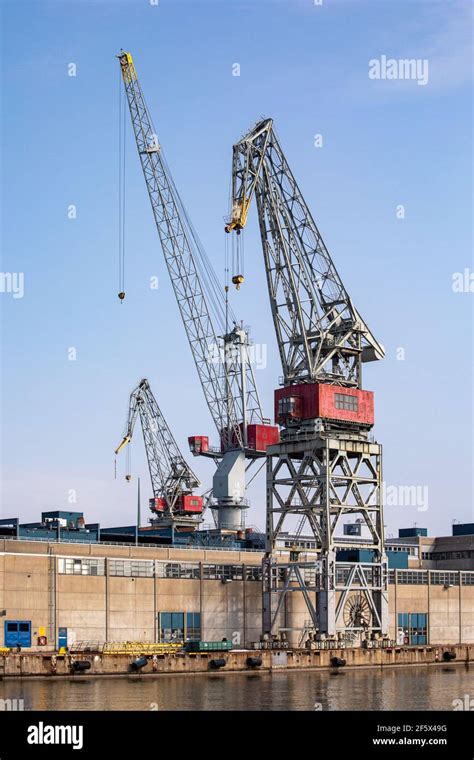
(125, 647)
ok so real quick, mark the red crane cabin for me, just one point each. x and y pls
(332, 402)
(188, 503)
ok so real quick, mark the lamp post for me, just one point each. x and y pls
(138, 513)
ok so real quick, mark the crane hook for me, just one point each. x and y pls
(237, 280)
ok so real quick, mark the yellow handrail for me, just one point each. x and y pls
(141, 647)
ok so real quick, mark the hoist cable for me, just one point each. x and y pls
(124, 130)
(121, 189)
(120, 186)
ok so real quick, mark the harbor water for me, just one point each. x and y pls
(435, 687)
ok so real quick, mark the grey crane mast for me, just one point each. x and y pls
(326, 468)
(222, 362)
(172, 479)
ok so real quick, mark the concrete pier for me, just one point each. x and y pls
(50, 665)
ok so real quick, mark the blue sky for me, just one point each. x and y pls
(385, 143)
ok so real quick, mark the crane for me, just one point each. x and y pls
(325, 466)
(221, 355)
(172, 479)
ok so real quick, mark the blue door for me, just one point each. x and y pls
(422, 628)
(62, 637)
(17, 632)
(415, 627)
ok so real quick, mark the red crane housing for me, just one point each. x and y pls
(331, 402)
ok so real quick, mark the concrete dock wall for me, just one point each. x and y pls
(50, 665)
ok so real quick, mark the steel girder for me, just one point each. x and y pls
(320, 481)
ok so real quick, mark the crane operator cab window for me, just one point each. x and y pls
(346, 402)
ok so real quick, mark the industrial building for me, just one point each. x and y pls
(79, 586)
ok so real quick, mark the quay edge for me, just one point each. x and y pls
(49, 665)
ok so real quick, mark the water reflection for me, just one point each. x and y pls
(414, 688)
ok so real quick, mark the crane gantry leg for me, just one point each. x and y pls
(323, 479)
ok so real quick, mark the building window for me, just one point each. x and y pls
(412, 577)
(467, 579)
(414, 626)
(222, 572)
(171, 626)
(172, 570)
(126, 568)
(412, 551)
(177, 570)
(309, 575)
(346, 402)
(444, 579)
(445, 556)
(193, 626)
(254, 573)
(342, 575)
(74, 566)
(209, 572)
(234, 572)
(179, 626)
